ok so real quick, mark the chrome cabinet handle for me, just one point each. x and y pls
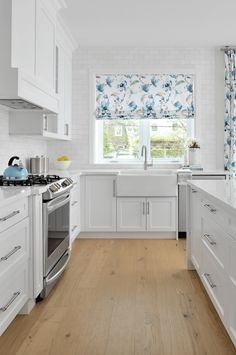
(208, 278)
(74, 203)
(209, 239)
(7, 305)
(13, 251)
(114, 188)
(143, 207)
(74, 228)
(210, 208)
(148, 207)
(10, 215)
(194, 191)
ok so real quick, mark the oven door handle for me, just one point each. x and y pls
(50, 280)
(57, 202)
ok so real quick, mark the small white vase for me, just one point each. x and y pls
(194, 156)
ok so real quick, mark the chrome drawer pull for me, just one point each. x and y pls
(208, 278)
(74, 203)
(143, 207)
(15, 295)
(13, 251)
(148, 207)
(10, 215)
(209, 239)
(212, 209)
(74, 228)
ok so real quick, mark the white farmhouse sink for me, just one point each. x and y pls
(147, 183)
(147, 172)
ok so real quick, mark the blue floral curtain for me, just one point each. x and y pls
(137, 96)
(230, 109)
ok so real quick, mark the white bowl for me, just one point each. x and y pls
(62, 164)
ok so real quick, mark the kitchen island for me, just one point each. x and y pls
(211, 244)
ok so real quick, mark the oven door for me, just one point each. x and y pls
(56, 230)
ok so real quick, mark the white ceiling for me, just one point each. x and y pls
(152, 22)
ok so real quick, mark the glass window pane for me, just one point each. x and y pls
(121, 139)
(168, 138)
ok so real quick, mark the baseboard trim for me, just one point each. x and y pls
(127, 235)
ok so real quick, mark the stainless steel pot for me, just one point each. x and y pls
(39, 165)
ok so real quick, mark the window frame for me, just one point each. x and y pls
(93, 143)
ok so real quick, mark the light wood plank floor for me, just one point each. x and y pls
(122, 297)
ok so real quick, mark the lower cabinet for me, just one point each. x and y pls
(131, 214)
(212, 251)
(153, 214)
(232, 289)
(75, 212)
(195, 220)
(100, 203)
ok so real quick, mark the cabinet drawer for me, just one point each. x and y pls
(75, 196)
(14, 245)
(75, 221)
(13, 294)
(13, 213)
(215, 241)
(215, 282)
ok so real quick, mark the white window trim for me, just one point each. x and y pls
(93, 153)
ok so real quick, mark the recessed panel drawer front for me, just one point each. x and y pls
(13, 294)
(13, 213)
(14, 245)
(215, 282)
(75, 219)
(232, 290)
(215, 241)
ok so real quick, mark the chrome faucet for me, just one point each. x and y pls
(145, 163)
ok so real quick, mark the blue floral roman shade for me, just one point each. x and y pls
(135, 96)
(230, 109)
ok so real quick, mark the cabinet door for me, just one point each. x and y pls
(232, 290)
(131, 214)
(45, 45)
(75, 213)
(195, 228)
(67, 95)
(161, 214)
(23, 35)
(100, 204)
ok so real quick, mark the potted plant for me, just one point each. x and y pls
(194, 152)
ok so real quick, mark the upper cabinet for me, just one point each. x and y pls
(36, 67)
(45, 24)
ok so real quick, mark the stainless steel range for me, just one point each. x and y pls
(56, 217)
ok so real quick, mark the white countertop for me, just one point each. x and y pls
(221, 191)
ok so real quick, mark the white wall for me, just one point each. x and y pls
(24, 147)
(201, 60)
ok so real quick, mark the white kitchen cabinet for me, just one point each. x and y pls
(29, 67)
(131, 214)
(161, 214)
(23, 36)
(140, 214)
(64, 89)
(195, 221)
(211, 248)
(232, 289)
(75, 212)
(100, 203)
(14, 259)
(45, 26)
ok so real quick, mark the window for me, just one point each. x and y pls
(120, 141)
(132, 110)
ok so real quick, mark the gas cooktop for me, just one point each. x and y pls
(30, 181)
